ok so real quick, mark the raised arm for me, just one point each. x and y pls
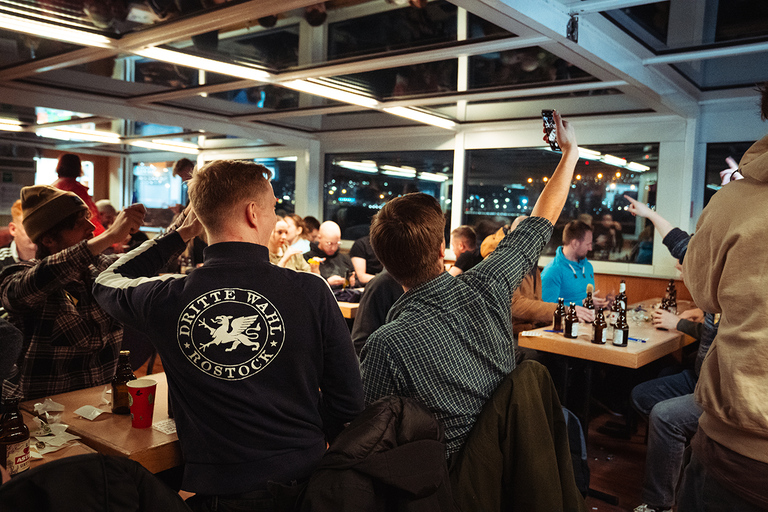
(662, 225)
(552, 198)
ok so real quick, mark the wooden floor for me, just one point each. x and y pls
(616, 466)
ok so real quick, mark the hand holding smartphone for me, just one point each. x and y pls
(550, 129)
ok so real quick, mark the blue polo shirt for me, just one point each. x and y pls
(567, 279)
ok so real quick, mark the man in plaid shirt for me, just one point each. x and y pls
(448, 340)
(69, 341)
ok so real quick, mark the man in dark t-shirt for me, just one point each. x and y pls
(464, 245)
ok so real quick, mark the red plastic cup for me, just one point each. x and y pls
(142, 402)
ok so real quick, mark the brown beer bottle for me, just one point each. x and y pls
(571, 323)
(621, 334)
(121, 403)
(14, 438)
(588, 303)
(557, 321)
(599, 328)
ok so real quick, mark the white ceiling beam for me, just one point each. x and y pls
(36, 95)
(418, 57)
(712, 53)
(187, 92)
(589, 6)
(75, 121)
(73, 58)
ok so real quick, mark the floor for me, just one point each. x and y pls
(616, 466)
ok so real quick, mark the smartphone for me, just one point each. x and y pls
(549, 126)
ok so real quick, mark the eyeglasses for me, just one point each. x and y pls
(330, 244)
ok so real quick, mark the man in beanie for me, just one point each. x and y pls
(69, 341)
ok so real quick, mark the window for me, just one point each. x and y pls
(155, 186)
(505, 183)
(719, 158)
(357, 185)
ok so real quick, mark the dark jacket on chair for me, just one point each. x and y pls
(391, 458)
(517, 456)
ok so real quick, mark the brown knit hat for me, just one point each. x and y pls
(45, 206)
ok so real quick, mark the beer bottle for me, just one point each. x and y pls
(557, 322)
(621, 334)
(588, 303)
(599, 328)
(121, 399)
(571, 323)
(672, 301)
(613, 314)
(14, 438)
(346, 284)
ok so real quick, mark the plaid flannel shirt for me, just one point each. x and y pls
(449, 341)
(69, 341)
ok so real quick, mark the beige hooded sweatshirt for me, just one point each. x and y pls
(726, 271)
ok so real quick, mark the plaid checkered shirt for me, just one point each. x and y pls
(448, 342)
(69, 341)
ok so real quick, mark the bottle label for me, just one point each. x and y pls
(17, 457)
(575, 330)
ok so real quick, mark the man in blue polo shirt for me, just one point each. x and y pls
(568, 275)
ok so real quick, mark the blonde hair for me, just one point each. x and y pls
(16, 212)
(223, 184)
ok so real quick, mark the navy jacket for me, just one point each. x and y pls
(247, 347)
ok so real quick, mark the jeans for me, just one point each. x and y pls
(701, 492)
(672, 422)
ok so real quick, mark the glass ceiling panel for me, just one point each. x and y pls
(254, 100)
(111, 18)
(733, 71)
(398, 29)
(273, 49)
(670, 25)
(426, 78)
(17, 48)
(524, 66)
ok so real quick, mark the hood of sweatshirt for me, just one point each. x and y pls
(754, 163)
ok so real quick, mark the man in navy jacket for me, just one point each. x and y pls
(259, 359)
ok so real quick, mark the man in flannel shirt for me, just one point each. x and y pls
(69, 341)
(448, 340)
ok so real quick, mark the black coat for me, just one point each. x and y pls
(391, 458)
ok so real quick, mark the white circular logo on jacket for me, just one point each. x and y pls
(230, 333)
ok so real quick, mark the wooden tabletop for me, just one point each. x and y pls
(349, 309)
(112, 434)
(636, 354)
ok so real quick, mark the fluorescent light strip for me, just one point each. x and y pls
(214, 66)
(189, 149)
(432, 177)
(11, 125)
(634, 166)
(51, 31)
(364, 166)
(331, 93)
(422, 117)
(72, 133)
(613, 160)
(402, 169)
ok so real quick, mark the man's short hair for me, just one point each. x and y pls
(69, 166)
(16, 213)
(575, 230)
(222, 184)
(467, 235)
(407, 235)
(311, 224)
(180, 165)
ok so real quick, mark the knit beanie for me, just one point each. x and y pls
(45, 206)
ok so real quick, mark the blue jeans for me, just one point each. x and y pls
(701, 492)
(672, 422)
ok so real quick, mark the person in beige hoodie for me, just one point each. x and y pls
(726, 269)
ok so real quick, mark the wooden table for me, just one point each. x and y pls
(112, 434)
(635, 355)
(349, 309)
